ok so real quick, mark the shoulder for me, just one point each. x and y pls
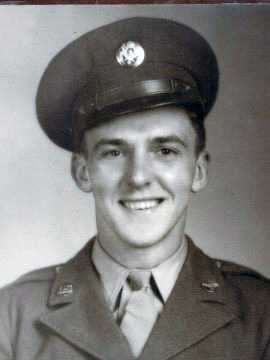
(246, 288)
(251, 289)
(35, 287)
(40, 275)
(242, 274)
(27, 289)
(231, 274)
(34, 277)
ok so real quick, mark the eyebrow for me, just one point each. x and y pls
(105, 141)
(169, 139)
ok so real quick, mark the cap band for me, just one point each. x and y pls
(140, 89)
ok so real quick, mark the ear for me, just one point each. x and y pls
(201, 172)
(80, 172)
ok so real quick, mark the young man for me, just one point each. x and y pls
(129, 100)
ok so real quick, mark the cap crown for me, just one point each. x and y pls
(87, 73)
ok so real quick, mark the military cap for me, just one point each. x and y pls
(129, 65)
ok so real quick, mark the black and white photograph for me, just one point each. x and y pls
(135, 182)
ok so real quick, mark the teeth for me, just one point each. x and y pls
(141, 204)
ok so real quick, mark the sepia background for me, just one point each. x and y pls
(45, 219)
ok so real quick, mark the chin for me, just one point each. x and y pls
(142, 239)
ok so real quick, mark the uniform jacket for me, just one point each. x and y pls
(217, 311)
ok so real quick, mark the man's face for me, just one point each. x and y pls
(142, 169)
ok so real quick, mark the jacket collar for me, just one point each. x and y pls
(199, 304)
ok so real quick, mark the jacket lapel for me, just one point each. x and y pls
(78, 312)
(194, 309)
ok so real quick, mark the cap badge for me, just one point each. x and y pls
(130, 54)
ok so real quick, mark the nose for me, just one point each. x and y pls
(138, 172)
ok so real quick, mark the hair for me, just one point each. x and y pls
(199, 128)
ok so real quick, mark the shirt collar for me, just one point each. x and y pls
(113, 275)
(166, 273)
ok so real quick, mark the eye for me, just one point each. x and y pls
(167, 151)
(114, 153)
(111, 153)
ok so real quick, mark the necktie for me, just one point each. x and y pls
(140, 313)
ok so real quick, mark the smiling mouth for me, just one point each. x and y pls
(140, 205)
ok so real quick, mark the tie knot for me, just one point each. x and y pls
(139, 279)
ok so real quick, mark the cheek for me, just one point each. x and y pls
(177, 177)
(105, 179)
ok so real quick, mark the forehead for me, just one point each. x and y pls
(143, 126)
